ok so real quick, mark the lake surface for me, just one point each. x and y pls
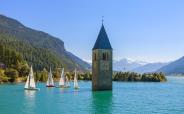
(126, 98)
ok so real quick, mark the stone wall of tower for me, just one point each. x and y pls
(101, 70)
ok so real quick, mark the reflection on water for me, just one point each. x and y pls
(29, 104)
(102, 102)
(29, 94)
(76, 92)
(29, 97)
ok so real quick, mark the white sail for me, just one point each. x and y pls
(67, 82)
(62, 78)
(50, 81)
(27, 82)
(30, 83)
(75, 80)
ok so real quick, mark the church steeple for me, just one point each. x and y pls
(102, 62)
(102, 41)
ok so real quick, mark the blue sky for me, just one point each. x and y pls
(147, 30)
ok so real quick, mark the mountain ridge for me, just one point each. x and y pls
(150, 67)
(137, 66)
(39, 39)
(175, 67)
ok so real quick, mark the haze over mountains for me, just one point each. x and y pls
(136, 66)
(127, 64)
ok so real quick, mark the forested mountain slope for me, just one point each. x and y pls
(37, 47)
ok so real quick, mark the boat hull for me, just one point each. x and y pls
(63, 87)
(50, 86)
(67, 86)
(76, 87)
(32, 89)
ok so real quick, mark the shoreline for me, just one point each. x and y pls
(13, 83)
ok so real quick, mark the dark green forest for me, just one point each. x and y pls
(12, 65)
(135, 77)
(38, 57)
(16, 57)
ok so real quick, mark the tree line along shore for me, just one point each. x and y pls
(10, 75)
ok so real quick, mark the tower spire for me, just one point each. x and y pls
(102, 41)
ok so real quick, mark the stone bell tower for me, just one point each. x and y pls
(102, 62)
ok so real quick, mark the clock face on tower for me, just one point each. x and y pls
(104, 65)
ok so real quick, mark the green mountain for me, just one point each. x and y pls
(36, 47)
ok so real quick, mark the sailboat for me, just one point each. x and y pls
(76, 86)
(63, 82)
(30, 83)
(62, 79)
(50, 81)
(67, 84)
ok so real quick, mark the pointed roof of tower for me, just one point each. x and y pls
(102, 41)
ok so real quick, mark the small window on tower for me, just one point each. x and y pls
(105, 56)
(95, 58)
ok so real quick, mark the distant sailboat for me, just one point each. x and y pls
(62, 79)
(67, 84)
(30, 83)
(63, 82)
(76, 86)
(50, 81)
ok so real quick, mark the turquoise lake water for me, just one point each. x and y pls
(126, 98)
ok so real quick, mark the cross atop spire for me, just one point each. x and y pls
(102, 19)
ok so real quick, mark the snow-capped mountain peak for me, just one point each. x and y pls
(127, 64)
